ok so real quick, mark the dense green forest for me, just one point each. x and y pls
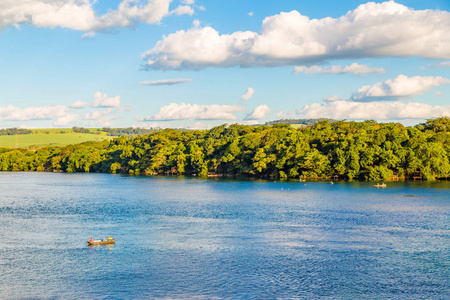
(328, 149)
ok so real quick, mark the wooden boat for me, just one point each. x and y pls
(106, 242)
(380, 185)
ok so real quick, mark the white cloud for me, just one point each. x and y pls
(332, 98)
(78, 104)
(166, 81)
(439, 94)
(385, 29)
(289, 115)
(260, 112)
(66, 120)
(58, 113)
(62, 115)
(88, 35)
(178, 51)
(80, 14)
(188, 2)
(444, 64)
(354, 68)
(12, 113)
(373, 110)
(100, 118)
(250, 14)
(196, 23)
(401, 87)
(102, 100)
(183, 10)
(248, 94)
(184, 111)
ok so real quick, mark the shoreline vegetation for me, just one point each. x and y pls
(335, 150)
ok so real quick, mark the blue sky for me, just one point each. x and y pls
(197, 64)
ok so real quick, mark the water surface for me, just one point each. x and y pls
(196, 238)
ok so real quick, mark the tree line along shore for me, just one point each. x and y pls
(326, 150)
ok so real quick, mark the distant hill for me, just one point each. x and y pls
(128, 131)
(304, 122)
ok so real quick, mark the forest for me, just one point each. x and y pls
(326, 150)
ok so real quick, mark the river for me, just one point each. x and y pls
(227, 239)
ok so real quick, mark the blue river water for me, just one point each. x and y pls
(197, 238)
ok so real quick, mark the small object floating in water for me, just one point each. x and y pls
(109, 241)
(331, 182)
(380, 185)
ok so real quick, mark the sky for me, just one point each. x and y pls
(198, 64)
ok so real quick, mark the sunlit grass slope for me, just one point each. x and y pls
(49, 137)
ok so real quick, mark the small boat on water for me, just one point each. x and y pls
(380, 185)
(101, 242)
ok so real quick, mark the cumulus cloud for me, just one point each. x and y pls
(248, 94)
(78, 104)
(80, 14)
(63, 115)
(289, 115)
(166, 81)
(102, 100)
(66, 120)
(100, 118)
(373, 110)
(183, 10)
(250, 14)
(184, 111)
(332, 98)
(385, 29)
(260, 112)
(354, 68)
(60, 114)
(196, 23)
(401, 87)
(12, 113)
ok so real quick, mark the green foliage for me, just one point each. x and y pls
(80, 130)
(14, 131)
(353, 150)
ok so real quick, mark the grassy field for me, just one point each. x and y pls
(62, 130)
(296, 126)
(48, 137)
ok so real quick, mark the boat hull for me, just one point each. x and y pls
(108, 242)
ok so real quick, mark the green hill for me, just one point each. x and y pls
(47, 137)
(38, 138)
(298, 123)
